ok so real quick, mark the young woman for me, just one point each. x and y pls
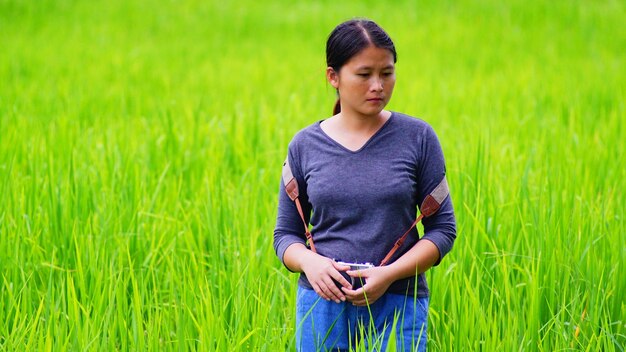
(363, 173)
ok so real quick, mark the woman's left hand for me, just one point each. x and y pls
(377, 280)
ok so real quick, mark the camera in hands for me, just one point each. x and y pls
(356, 282)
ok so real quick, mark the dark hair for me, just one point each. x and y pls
(349, 38)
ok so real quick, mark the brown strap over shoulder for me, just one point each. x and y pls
(291, 187)
(430, 206)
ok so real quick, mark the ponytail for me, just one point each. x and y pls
(337, 108)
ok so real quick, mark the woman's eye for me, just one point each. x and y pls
(363, 74)
(387, 74)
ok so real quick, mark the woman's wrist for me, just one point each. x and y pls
(392, 272)
(296, 257)
(416, 261)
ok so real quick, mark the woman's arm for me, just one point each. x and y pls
(421, 257)
(289, 242)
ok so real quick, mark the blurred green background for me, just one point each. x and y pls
(141, 144)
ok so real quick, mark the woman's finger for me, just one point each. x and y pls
(332, 290)
(353, 295)
(340, 267)
(363, 273)
(342, 280)
(319, 291)
(327, 289)
(362, 299)
(362, 303)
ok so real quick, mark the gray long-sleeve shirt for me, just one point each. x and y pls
(363, 201)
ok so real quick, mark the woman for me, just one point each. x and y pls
(362, 173)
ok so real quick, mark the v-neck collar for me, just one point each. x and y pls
(364, 144)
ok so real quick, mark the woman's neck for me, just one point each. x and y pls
(357, 123)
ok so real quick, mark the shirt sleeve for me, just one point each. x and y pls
(289, 227)
(440, 228)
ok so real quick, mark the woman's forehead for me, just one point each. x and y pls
(372, 57)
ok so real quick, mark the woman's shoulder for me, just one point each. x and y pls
(305, 135)
(407, 121)
(415, 129)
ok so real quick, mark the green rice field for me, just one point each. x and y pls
(141, 145)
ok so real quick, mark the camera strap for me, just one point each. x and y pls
(430, 206)
(291, 187)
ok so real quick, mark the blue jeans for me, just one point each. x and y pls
(328, 326)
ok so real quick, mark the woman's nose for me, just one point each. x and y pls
(377, 85)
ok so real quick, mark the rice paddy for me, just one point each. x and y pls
(141, 145)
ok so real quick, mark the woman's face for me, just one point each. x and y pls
(365, 82)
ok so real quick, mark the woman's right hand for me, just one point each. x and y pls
(319, 270)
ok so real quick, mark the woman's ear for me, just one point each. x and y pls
(333, 77)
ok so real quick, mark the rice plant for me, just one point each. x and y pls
(140, 152)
